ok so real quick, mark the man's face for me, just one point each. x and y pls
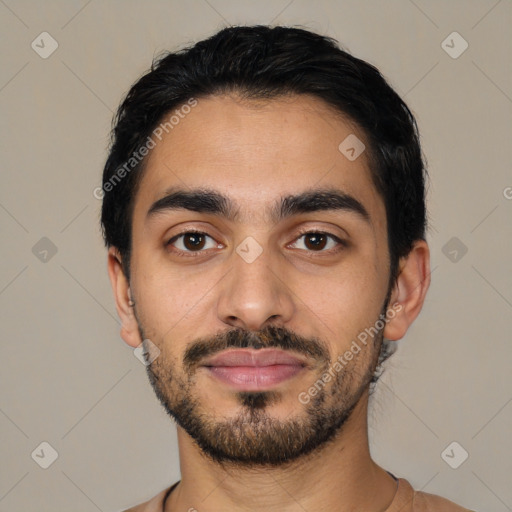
(255, 281)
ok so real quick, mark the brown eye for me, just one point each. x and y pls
(318, 241)
(191, 241)
(315, 241)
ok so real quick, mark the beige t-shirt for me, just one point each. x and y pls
(406, 500)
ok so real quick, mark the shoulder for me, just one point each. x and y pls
(155, 504)
(425, 502)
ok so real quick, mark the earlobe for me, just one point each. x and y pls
(122, 295)
(409, 290)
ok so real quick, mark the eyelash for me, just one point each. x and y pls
(195, 254)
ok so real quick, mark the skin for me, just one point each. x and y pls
(257, 152)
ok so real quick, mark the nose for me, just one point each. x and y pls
(255, 294)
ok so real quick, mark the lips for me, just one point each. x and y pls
(256, 358)
(251, 370)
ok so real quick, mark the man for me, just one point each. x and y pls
(263, 205)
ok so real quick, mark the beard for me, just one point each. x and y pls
(253, 437)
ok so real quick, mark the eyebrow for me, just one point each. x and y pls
(204, 200)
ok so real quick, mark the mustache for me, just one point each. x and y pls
(269, 337)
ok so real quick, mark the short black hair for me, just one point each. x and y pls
(262, 62)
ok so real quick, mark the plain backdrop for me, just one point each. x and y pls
(67, 378)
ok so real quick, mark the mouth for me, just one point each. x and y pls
(254, 370)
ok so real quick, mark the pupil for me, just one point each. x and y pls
(317, 240)
(196, 241)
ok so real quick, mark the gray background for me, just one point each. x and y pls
(68, 379)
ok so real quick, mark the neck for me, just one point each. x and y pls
(339, 476)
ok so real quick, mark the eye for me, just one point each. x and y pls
(191, 242)
(317, 241)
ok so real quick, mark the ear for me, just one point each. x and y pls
(409, 291)
(121, 288)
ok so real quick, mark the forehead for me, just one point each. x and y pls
(257, 151)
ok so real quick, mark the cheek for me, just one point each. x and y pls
(352, 297)
(170, 301)
(349, 312)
